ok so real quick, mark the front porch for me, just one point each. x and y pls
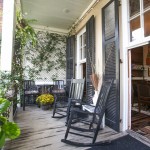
(40, 131)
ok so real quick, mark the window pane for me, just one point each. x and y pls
(80, 53)
(134, 7)
(83, 53)
(84, 39)
(146, 3)
(81, 41)
(135, 29)
(147, 23)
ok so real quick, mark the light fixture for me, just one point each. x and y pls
(66, 10)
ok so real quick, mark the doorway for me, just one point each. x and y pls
(140, 90)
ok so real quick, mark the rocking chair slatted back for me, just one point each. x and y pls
(27, 84)
(58, 84)
(75, 93)
(30, 92)
(76, 88)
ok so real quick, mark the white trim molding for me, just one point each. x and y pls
(50, 29)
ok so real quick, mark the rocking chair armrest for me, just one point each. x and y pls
(70, 100)
(73, 99)
(73, 111)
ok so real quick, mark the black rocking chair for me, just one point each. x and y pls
(87, 124)
(61, 102)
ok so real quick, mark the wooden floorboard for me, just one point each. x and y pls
(42, 132)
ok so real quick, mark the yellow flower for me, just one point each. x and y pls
(45, 99)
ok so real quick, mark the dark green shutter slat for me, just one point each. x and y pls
(70, 48)
(90, 52)
(111, 61)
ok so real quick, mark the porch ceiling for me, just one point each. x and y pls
(59, 14)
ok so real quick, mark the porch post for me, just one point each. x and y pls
(7, 40)
(7, 34)
(124, 96)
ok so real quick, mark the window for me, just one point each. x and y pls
(139, 19)
(81, 53)
(82, 45)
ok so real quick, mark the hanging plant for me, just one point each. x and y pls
(8, 129)
(24, 34)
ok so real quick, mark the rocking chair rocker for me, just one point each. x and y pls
(87, 124)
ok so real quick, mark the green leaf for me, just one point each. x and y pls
(12, 130)
(2, 139)
(3, 120)
(4, 104)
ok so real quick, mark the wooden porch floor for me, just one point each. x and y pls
(41, 132)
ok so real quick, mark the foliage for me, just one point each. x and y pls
(45, 99)
(48, 54)
(24, 34)
(7, 129)
(7, 82)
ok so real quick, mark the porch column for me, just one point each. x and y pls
(124, 96)
(7, 39)
(7, 34)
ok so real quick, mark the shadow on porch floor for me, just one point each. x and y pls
(40, 131)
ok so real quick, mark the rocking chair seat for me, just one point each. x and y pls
(58, 91)
(89, 108)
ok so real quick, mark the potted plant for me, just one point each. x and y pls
(45, 101)
(8, 129)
